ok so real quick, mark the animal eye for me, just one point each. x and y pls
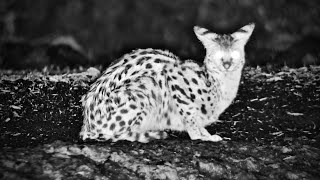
(235, 54)
(219, 54)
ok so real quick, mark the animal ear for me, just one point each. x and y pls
(205, 36)
(243, 34)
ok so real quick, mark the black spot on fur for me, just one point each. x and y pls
(203, 109)
(91, 107)
(118, 118)
(153, 73)
(109, 108)
(99, 122)
(160, 60)
(117, 135)
(168, 122)
(120, 105)
(128, 66)
(186, 81)
(112, 85)
(137, 136)
(112, 126)
(181, 90)
(134, 73)
(127, 81)
(144, 53)
(122, 123)
(124, 111)
(154, 82)
(160, 84)
(157, 60)
(117, 100)
(173, 87)
(153, 95)
(200, 74)
(91, 116)
(109, 117)
(140, 96)
(199, 91)
(181, 112)
(194, 81)
(193, 97)
(132, 106)
(142, 86)
(146, 135)
(105, 125)
(140, 61)
(148, 66)
(181, 101)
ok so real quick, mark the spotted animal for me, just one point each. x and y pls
(148, 91)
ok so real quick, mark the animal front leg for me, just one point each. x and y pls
(196, 132)
(213, 138)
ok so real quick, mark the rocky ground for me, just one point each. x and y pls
(271, 131)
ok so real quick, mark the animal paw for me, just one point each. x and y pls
(212, 138)
(215, 138)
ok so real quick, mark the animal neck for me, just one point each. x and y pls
(228, 82)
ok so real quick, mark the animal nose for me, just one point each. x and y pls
(226, 64)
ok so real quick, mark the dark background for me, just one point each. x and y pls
(36, 33)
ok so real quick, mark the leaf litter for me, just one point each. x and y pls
(271, 131)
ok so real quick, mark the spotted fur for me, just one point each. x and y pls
(147, 91)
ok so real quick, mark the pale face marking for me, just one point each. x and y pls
(235, 55)
(218, 55)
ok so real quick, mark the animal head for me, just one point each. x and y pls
(225, 52)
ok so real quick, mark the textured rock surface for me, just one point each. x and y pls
(174, 159)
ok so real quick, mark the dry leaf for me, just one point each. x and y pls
(15, 107)
(295, 114)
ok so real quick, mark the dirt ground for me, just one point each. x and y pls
(271, 131)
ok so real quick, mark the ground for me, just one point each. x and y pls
(271, 131)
